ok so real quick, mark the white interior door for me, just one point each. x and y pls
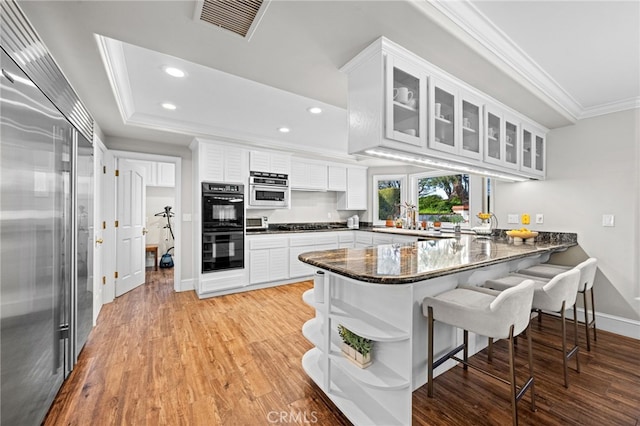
(130, 233)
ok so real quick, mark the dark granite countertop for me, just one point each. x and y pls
(409, 263)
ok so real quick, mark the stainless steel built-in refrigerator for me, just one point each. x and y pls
(46, 246)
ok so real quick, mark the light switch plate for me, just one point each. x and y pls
(526, 219)
(512, 218)
(608, 220)
(539, 218)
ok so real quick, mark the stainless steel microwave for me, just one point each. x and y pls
(268, 190)
(257, 222)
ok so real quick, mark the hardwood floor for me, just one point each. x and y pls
(158, 357)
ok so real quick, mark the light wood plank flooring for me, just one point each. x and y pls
(158, 357)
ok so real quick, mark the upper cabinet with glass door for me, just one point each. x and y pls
(405, 105)
(533, 153)
(502, 139)
(455, 121)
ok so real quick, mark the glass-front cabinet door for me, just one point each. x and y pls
(502, 145)
(471, 126)
(533, 151)
(511, 143)
(443, 117)
(406, 89)
(493, 148)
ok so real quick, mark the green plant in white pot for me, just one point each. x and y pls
(356, 348)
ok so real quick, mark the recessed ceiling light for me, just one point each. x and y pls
(169, 106)
(284, 129)
(174, 72)
(315, 110)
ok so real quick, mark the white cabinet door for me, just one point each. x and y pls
(532, 156)
(405, 102)
(271, 162)
(443, 105)
(355, 198)
(258, 266)
(235, 165)
(382, 239)
(297, 268)
(318, 177)
(165, 174)
(211, 162)
(299, 177)
(278, 264)
(337, 178)
(259, 161)
(363, 239)
(280, 163)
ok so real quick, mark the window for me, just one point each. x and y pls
(447, 198)
(389, 194)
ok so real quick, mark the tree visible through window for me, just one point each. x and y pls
(443, 198)
(389, 198)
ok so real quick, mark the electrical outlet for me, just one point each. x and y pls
(539, 218)
(526, 219)
(608, 220)
(512, 218)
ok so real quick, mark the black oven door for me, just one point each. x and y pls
(222, 250)
(222, 212)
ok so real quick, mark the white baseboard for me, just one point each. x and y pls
(613, 324)
(186, 285)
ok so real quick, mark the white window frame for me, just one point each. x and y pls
(403, 194)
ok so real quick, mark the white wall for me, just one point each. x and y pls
(306, 206)
(592, 169)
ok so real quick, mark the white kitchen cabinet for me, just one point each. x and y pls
(157, 173)
(532, 158)
(379, 239)
(306, 242)
(268, 258)
(346, 239)
(222, 163)
(269, 161)
(461, 132)
(363, 239)
(405, 102)
(456, 120)
(502, 146)
(307, 175)
(355, 197)
(404, 239)
(337, 178)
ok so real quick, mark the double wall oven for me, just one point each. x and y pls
(222, 226)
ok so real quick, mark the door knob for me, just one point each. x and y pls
(99, 241)
(144, 231)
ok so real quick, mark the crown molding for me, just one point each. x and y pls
(618, 106)
(475, 24)
(115, 65)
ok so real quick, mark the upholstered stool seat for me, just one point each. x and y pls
(497, 315)
(587, 277)
(555, 295)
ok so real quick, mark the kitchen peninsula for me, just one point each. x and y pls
(376, 292)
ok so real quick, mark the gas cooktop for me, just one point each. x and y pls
(308, 226)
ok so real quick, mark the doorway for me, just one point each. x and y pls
(163, 188)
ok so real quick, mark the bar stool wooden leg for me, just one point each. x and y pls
(490, 350)
(465, 333)
(530, 348)
(512, 379)
(593, 315)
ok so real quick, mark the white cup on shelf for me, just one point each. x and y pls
(410, 132)
(438, 110)
(466, 123)
(402, 94)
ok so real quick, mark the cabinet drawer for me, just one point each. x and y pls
(267, 243)
(323, 240)
(301, 240)
(346, 237)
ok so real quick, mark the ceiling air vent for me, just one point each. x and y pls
(238, 16)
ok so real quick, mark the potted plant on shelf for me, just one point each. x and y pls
(357, 349)
(456, 219)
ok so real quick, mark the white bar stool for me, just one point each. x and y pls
(556, 295)
(587, 277)
(497, 315)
